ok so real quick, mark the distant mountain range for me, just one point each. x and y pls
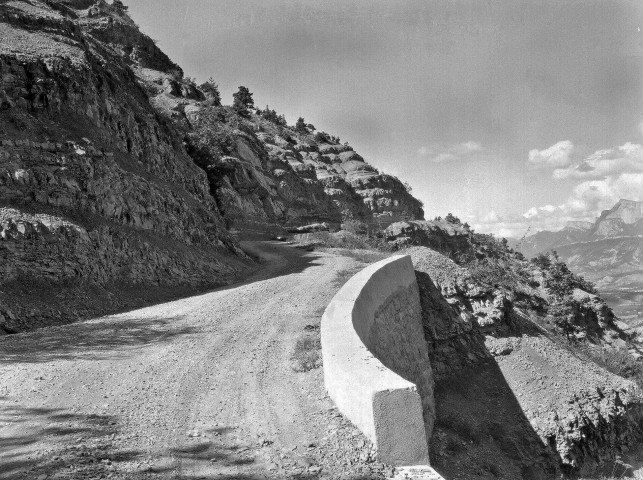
(608, 251)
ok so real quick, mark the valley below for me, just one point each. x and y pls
(627, 304)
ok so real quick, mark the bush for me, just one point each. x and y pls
(272, 116)
(307, 355)
(620, 362)
(356, 227)
(322, 137)
(453, 219)
(498, 273)
(210, 139)
(559, 280)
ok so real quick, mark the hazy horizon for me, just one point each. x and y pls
(506, 114)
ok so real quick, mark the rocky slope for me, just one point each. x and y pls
(498, 353)
(265, 174)
(527, 358)
(97, 191)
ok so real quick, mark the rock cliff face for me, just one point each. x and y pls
(269, 175)
(95, 186)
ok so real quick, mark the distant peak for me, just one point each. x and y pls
(628, 211)
(624, 201)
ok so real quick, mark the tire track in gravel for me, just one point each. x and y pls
(200, 387)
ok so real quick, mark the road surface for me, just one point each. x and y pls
(201, 387)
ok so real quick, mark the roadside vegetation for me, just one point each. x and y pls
(307, 353)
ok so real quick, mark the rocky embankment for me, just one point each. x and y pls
(95, 188)
(265, 174)
(496, 356)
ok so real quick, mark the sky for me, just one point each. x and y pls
(509, 114)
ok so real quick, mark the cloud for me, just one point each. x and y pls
(450, 153)
(627, 158)
(509, 226)
(555, 156)
(604, 178)
(547, 210)
(491, 217)
(586, 201)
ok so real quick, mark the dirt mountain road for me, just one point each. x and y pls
(196, 388)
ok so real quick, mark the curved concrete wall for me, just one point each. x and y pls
(376, 364)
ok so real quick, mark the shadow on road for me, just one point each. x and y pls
(89, 340)
(83, 444)
(98, 338)
(52, 443)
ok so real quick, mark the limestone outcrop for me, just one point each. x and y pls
(267, 174)
(95, 187)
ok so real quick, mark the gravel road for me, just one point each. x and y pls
(196, 388)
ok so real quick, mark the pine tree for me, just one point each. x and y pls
(300, 126)
(211, 91)
(242, 100)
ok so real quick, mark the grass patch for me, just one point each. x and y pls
(346, 241)
(307, 354)
(363, 256)
(620, 362)
(342, 276)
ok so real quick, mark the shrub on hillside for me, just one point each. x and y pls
(210, 140)
(272, 116)
(356, 227)
(452, 219)
(498, 272)
(620, 362)
(322, 137)
(559, 280)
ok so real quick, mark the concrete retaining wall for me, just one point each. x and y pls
(376, 364)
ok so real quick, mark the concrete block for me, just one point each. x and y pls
(366, 376)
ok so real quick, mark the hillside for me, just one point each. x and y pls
(265, 174)
(120, 179)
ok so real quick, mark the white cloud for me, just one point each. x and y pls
(555, 156)
(450, 153)
(603, 178)
(547, 210)
(491, 217)
(627, 158)
(586, 201)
